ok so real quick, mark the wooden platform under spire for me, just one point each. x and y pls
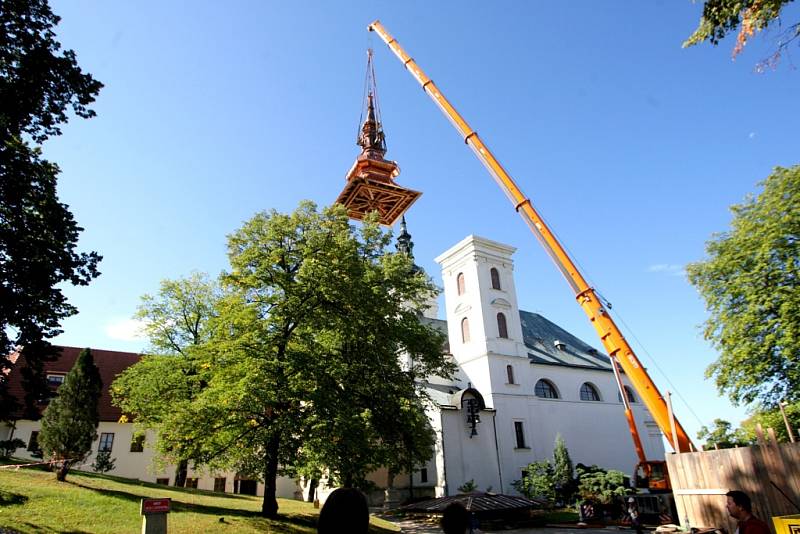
(370, 187)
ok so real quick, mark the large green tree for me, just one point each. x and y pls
(303, 370)
(69, 423)
(177, 320)
(746, 17)
(39, 85)
(751, 285)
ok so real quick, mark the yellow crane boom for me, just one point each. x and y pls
(614, 342)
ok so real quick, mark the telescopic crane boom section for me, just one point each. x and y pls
(614, 342)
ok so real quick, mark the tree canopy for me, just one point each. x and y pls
(69, 423)
(722, 17)
(301, 369)
(39, 84)
(751, 286)
(721, 434)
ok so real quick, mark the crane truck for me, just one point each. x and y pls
(651, 474)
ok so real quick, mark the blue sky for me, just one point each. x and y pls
(630, 146)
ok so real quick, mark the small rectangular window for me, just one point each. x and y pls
(219, 484)
(137, 443)
(33, 443)
(510, 374)
(423, 474)
(106, 442)
(520, 434)
(162, 481)
(55, 380)
(191, 483)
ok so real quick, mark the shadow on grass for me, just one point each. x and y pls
(8, 498)
(295, 522)
(38, 529)
(153, 485)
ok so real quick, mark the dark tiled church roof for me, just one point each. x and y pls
(548, 343)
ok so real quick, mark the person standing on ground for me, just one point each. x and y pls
(455, 519)
(740, 508)
(633, 512)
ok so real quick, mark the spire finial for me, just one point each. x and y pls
(371, 138)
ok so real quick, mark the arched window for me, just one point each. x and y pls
(545, 389)
(495, 278)
(589, 393)
(464, 330)
(510, 374)
(502, 327)
(460, 283)
(628, 393)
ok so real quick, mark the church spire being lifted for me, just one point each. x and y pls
(370, 182)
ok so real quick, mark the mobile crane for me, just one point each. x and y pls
(653, 473)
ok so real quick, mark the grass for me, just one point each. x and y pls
(32, 501)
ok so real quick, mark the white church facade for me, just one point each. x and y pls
(521, 381)
(525, 378)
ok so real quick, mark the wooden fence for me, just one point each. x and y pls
(701, 479)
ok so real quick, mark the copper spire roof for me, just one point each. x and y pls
(370, 181)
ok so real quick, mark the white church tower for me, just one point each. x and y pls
(482, 313)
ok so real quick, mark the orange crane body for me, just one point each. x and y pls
(613, 341)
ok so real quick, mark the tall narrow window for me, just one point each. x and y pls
(510, 373)
(502, 327)
(520, 434)
(495, 274)
(106, 442)
(33, 443)
(423, 474)
(460, 283)
(464, 330)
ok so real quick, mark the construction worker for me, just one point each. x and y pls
(740, 508)
(633, 512)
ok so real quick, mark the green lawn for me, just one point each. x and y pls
(34, 502)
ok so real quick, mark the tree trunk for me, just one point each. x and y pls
(61, 474)
(181, 472)
(312, 489)
(269, 507)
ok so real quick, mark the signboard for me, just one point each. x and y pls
(787, 524)
(155, 506)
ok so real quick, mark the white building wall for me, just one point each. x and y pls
(468, 458)
(595, 432)
(140, 465)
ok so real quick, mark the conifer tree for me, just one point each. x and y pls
(563, 474)
(69, 424)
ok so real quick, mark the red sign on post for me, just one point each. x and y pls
(155, 506)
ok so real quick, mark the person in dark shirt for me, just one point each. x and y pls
(345, 510)
(740, 508)
(455, 519)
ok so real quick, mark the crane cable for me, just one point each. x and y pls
(370, 87)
